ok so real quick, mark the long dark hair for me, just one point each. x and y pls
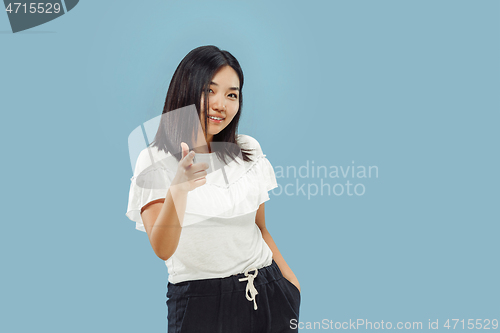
(192, 78)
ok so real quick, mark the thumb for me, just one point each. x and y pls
(187, 157)
(185, 149)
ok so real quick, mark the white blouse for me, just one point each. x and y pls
(219, 236)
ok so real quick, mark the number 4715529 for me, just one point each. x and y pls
(471, 324)
(34, 7)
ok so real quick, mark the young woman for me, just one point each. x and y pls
(203, 210)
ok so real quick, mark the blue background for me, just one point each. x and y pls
(408, 86)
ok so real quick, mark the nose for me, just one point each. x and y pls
(218, 103)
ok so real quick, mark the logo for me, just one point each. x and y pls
(25, 15)
(139, 140)
(152, 182)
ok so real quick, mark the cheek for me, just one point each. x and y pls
(233, 113)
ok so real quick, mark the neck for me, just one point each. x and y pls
(199, 143)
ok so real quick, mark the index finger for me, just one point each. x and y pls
(188, 159)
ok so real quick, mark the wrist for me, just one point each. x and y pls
(178, 190)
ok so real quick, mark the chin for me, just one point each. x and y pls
(213, 132)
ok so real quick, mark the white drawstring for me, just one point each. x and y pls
(250, 287)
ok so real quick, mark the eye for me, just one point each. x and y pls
(234, 95)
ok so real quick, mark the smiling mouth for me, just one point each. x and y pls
(216, 120)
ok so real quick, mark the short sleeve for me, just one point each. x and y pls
(266, 173)
(151, 180)
(270, 182)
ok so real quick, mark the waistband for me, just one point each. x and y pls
(217, 286)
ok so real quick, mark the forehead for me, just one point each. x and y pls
(226, 76)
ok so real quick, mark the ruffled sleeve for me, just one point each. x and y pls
(151, 180)
(265, 171)
(268, 179)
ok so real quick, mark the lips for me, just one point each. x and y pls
(215, 121)
(213, 115)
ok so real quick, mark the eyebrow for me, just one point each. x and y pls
(231, 88)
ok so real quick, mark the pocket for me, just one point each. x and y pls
(183, 317)
(201, 314)
(177, 309)
(293, 286)
(291, 295)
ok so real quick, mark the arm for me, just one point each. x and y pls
(163, 219)
(260, 220)
(163, 222)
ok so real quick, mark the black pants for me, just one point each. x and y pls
(221, 305)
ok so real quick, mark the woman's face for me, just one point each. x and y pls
(223, 100)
